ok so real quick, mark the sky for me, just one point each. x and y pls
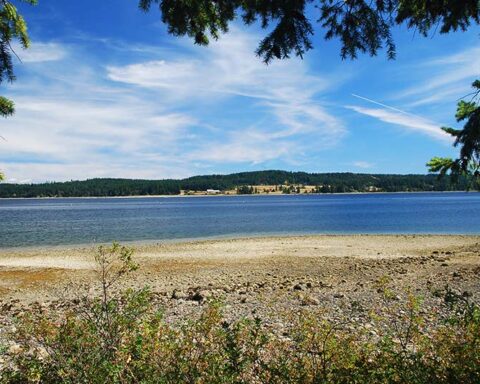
(105, 91)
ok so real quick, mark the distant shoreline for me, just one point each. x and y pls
(229, 195)
(255, 182)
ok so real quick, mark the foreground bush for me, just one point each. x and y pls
(122, 339)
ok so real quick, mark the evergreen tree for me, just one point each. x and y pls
(468, 138)
(361, 25)
(12, 27)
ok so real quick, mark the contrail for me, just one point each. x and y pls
(3, 138)
(397, 110)
(387, 106)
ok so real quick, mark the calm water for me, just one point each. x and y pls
(86, 221)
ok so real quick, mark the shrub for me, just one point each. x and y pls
(121, 338)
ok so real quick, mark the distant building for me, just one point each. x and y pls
(213, 192)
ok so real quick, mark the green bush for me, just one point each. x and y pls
(123, 339)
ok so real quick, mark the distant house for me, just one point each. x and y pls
(213, 192)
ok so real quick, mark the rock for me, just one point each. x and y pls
(199, 296)
(297, 287)
(309, 300)
(42, 353)
(177, 295)
(15, 349)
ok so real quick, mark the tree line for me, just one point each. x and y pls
(325, 183)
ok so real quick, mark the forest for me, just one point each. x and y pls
(325, 183)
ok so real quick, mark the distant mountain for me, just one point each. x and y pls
(285, 181)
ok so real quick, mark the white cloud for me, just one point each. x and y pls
(229, 69)
(41, 52)
(240, 152)
(448, 76)
(157, 74)
(167, 117)
(450, 95)
(73, 136)
(363, 164)
(410, 122)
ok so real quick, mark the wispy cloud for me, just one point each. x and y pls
(227, 69)
(410, 122)
(167, 117)
(363, 164)
(41, 52)
(399, 117)
(448, 78)
(284, 90)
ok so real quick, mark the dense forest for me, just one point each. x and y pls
(325, 183)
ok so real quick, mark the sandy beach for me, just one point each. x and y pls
(251, 275)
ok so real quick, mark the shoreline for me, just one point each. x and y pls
(231, 247)
(220, 238)
(251, 275)
(266, 281)
(247, 273)
(233, 195)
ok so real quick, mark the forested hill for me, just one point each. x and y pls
(325, 182)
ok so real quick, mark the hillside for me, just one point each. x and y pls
(282, 180)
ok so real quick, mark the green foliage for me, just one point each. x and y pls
(201, 19)
(139, 346)
(12, 27)
(195, 18)
(361, 25)
(122, 338)
(441, 165)
(244, 190)
(325, 182)
(468, 138)
(448, 15)
(7, 107)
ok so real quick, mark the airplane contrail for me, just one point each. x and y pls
(386, 106)
(397, 110)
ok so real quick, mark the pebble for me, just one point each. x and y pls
(15, 349)
(297, 287)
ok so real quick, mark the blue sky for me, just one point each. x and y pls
(104, 91)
